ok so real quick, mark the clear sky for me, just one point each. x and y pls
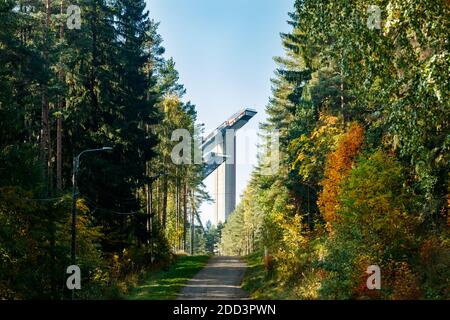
(223, 51)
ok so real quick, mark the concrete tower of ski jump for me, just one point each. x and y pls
(219, 149)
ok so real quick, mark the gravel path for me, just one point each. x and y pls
(219, 280)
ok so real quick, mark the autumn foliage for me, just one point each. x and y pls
(364, 156)
(338, 166)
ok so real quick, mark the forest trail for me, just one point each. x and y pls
(220, 279)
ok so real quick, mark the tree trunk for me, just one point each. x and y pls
(59, 152)
(158, 203)
(149, 211)
(46, 153)
(45, 141)
(342, 89)
(192, 221)
(177, 204)
(164, 202)
(61, 107)
(185, 215)
(45, 125)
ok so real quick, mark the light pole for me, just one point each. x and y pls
(76, 164)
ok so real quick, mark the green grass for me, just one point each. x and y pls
(259, 284)
(257, 281)
(166, 284)
(306, 285)
(255, 274)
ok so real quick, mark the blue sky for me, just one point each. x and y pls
(224, 53)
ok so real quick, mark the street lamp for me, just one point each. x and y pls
(76, 165)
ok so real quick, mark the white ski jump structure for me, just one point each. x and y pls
(219, 148)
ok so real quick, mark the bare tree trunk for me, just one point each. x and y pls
(59, 151)
(192, 222)
(342, 90)
(173, 192)
(185, 215)
(61, 107)
(177, 204)
(164, 202)
(45, 125)
(180, 216)
(46, 152)
(45, 140)
(158, 204)
(149, 210)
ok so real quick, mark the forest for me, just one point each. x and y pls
(70, 83)
(360, 100)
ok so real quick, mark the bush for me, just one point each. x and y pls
(338, 166)
(35, 246)
(434, 267)
(373, 228)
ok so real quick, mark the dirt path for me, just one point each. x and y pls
(220, 279)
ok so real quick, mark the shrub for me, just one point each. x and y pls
(338, 166)
(374, 228)
(434, 267)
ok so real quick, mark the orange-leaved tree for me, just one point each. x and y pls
(338, 166)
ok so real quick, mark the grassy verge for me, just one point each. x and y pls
(165, 284)
(259, 283)
(286, 284)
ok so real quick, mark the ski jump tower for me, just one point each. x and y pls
(219, 150)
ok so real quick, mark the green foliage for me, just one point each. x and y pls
(63, 91)
(242, 232)
(35, 247)
(375, 227)
(213, 236)
(434, 257)
(390, 206)
(107, 84)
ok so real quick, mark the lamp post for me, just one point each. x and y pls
(76, 164)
